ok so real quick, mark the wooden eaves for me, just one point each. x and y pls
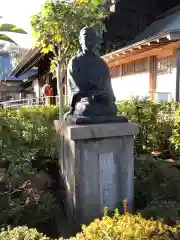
(153, 46)
(28, 61)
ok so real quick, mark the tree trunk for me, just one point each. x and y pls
(59, 76)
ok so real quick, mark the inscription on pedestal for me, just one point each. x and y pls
(107, 176)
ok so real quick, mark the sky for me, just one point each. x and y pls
(19, 12)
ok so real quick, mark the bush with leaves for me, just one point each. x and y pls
(27, 151)
(168, 211)
(156, 182)
(175, 139)
(24, 137)
(19, 233)
(28, 145)
(120, 227)
(155, 120)
(125, 227)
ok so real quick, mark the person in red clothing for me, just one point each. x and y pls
(48, 94)
(48, 91)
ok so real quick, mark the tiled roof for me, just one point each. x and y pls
(27, 62)
(168, 22)
(24, 76)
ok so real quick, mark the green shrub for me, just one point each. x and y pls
(27, 149)
(28, 201)
(169, 211)
(120, 227)
(43, 112)
(155, 120)
(28, 145)
(22, 139)
(175, 139)
(21, 233)
(155, 180)
(126, 227)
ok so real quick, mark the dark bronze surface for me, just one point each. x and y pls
(88, 76)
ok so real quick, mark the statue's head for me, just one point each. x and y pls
(88, 38)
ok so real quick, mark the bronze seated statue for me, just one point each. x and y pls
(88, 77)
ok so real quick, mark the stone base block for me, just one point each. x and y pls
(97, 162)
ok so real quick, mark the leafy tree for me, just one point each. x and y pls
(6, 27)
(57, 27)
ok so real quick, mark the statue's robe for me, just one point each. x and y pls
(88, 75)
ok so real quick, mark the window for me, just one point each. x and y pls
(164, 65)
(137, 66)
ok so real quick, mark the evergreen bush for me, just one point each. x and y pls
(156, 121)
(27, 153)
(118, 227)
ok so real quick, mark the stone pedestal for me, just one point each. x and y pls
(97, 163)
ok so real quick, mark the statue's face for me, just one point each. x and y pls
(88, 39)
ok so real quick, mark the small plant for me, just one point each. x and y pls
(125, 206)
(19, 233)
(126, 227)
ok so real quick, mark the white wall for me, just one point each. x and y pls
(131, 85)
(36, 87)
(166, 86)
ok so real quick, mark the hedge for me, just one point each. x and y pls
(27, 155)
(157, 189)
(28, 151)
(156, 122)
(118, 227)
